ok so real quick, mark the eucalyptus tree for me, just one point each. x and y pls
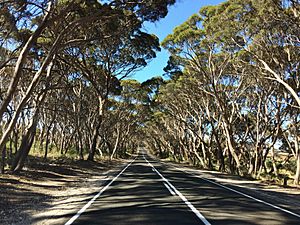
(269, 41)
(234, 71)
(34, 31)
(54, 10)
(113, 58)
(194, 48)
(135, 103)
(35, 102)
(21, 17)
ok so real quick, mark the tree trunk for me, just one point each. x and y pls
(47, 143)
(2, 164)
(47, 136)
(274, 162)
(93, 146)
(81, 147)
(62, 144)
(231, 162)
(257, 160)
(262, 166)
(297, 175)
(230, 145)
(41, 137)
(220, 155)
(116, 144)
(96, 132)
(25, 146)
(281, 81)
(25, 98)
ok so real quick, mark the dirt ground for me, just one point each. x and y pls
(40, 186)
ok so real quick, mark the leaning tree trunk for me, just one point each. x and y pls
(231, 146)
(28, 138)
(34, 82)
(116, 145)
(220, 155)
(47, 137)
(96, 132)
(47, 142)
(297, 175)
(281, 81)
(25, 146)
(93, 146)
(2, 163)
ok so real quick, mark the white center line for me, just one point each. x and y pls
(183, 198)
(169, 188)
(95, 197)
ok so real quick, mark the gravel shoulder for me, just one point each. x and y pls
(45, 190)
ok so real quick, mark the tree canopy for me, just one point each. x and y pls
(232, 100)
(61, 71)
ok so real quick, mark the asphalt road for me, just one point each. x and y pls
(148, 192)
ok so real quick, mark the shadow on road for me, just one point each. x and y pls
(139, 196)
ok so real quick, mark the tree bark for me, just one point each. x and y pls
(281, 81)
(297, 175)
(47, 143)
(230, 144)
(93, 146)
(274, 162)
(80, 143)
(2, 164)
(47, 137)
(116, 144)
(25, 146)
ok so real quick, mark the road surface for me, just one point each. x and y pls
(149, 192)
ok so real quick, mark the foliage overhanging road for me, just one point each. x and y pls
(149, 192)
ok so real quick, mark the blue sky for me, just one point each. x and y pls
(178, 14)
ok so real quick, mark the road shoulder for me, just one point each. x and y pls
(43, 193)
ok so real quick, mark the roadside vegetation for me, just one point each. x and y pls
(62, 70)
(232, 101)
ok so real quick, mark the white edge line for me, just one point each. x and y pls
(183, 198)
(70, 221)
(169, 188)
(243, 194)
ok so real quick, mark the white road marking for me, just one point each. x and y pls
(243, 194)
(169, 188)
(183, 198)
(95, 197)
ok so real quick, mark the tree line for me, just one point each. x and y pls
(231, 102)
(62, 70)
